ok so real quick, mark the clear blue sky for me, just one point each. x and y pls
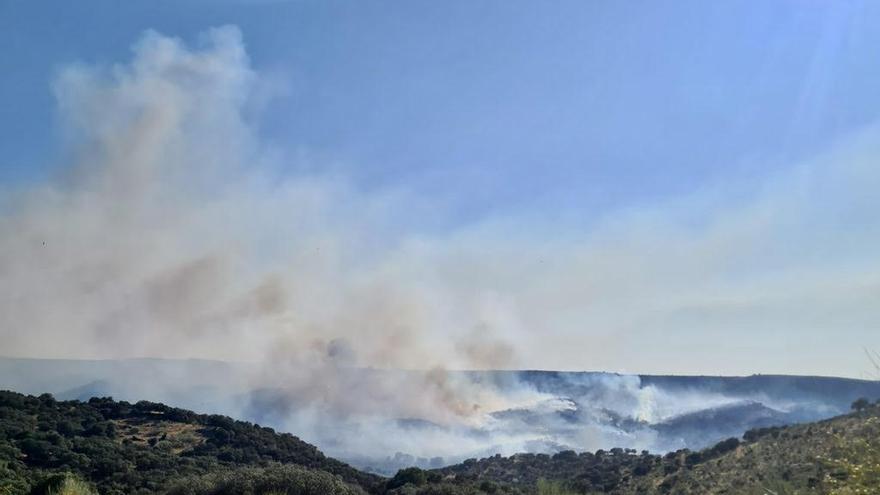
(497, 103)
(657, 186)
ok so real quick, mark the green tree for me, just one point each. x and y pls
(411, 475)
(860, 404)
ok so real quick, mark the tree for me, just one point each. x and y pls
(860, 404)
(411, 475)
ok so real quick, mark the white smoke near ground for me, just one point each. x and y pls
(174, 232)
(168, 237)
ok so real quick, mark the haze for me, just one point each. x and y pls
(654, 187)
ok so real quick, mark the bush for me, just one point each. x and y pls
(276, 479)
(412, 475)
(860, 404)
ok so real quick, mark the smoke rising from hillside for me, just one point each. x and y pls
(169, 237)
(175, 231)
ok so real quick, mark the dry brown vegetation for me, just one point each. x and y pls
(172, 436)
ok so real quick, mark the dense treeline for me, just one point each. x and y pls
(150, 448)
(599, 472)
(280, 478)
(138, 448)
(108, 447)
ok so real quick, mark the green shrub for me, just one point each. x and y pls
(275, 479)
(411, 475)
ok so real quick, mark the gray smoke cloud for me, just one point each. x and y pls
(169, 237)
(175, 232)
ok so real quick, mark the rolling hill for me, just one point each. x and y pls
(118, 447)
(142, 447)
(581, 411)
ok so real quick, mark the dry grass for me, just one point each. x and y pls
(168, 435)
(71, 486)
(545, 487)
(841, 455)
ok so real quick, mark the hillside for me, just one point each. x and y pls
(118, 447)
(840, 455)
(836, 456)
(141, 447)
(522, 411)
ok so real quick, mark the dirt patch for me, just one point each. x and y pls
(167, 435)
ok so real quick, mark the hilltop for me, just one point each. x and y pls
(142, 447)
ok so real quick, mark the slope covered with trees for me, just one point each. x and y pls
(836, 456)
(109, 447)
(139, 448)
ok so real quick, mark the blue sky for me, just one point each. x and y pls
(656, 186)
(582, 105)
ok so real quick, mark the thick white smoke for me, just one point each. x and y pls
(168, 237)
(175, 232)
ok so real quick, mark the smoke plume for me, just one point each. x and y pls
(169, 235)
(174, 231)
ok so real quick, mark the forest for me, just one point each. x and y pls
(115, 447)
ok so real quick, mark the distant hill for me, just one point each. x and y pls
(197, 384)
(834, 391)
(725, 421)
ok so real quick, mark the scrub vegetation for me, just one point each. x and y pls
(50, 447)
